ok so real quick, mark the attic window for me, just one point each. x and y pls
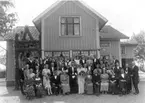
(70, 26)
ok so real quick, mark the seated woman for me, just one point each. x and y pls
(104, 81)
(122, 82)
(31, 74)
(29, 83)
(46, 79)
(112, 83)
(96, 80)
(88, 81)
(39, 90)
(64, 79)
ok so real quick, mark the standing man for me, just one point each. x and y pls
(72, 71)
(117, 71)
(127, 70)
(135, 77)
(21, 81)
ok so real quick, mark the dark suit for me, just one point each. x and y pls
(82, 62)
(122, 83)
(55, 84)
(52, 69)
(135, 78)
(96, 83)
(21, 74)
(73, 80)
(128, 79)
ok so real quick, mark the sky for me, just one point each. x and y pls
(127, 16)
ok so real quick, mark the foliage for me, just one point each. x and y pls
(7, 20)
(139, 51)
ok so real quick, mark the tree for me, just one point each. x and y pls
(7, 20)
(139, 51)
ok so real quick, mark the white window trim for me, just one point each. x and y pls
(124, 50)
(70, 35)
(106, 42)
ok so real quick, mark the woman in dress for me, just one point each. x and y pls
(104, 81)
(64, 78)
(81, 79)
(26, 72)
(88, 81)
(46, 79)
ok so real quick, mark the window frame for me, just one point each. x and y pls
(124, 50)
(105, 42)
(80, 29)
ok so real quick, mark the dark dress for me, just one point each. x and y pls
(112, 84)
(96, 79)
(128, 79)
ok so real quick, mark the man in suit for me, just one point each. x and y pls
(55, 80)
(52, 68)
(135, 77)
(21, 74)
(127, 70)
(73, 78)
(117, 71)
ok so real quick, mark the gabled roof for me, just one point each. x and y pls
(81, 4)
(19, 29)
(108, 32)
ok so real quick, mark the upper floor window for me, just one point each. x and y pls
(70, 26)
(105, 44)
(123, 50)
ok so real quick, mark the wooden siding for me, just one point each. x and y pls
(52, 40)
(113, 49)
(129, 53)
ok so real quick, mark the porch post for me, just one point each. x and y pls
(42, 39)
(98, 40)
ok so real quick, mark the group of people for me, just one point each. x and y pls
(82, 75)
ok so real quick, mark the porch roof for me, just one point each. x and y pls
(109, 32)
(19, 29)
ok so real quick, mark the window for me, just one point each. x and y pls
(123, 50)
(70, 26)
(105, 44)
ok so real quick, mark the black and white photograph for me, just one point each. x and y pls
(72, 51)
